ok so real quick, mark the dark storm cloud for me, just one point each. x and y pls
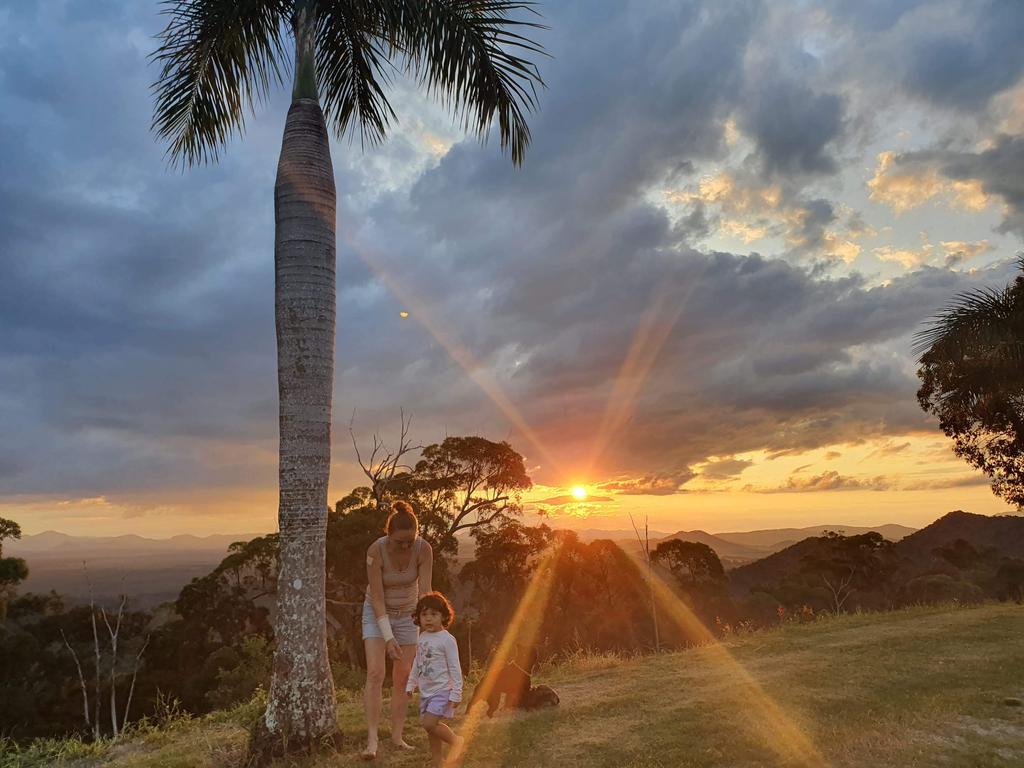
(792, 125)
(135, 302)
(952, 53)
(967, 60)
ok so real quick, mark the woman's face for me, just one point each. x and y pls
(403, 539)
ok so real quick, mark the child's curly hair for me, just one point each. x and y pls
(438, 602)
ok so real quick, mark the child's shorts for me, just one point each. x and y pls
(437, 704)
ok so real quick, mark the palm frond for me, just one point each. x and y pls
(354, 66)
(217, 58)
(981, 318)
(474, 56)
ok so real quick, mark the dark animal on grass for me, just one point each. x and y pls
(513, 682)
(540, 696)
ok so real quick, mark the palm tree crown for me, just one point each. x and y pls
(219, 58)
(981, 334)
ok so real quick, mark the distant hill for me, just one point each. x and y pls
(151, 571)
(1004, 533)
(54, 544)
(593, 534)
(774, 539)
(737, 548)
(726, 550)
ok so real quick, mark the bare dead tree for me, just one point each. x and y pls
(131, 689)
(81, 680)
(96, 648)
(114, 633)
(382, 464)
(840, 588)
(645, 545)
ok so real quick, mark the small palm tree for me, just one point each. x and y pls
(218, 59)
(972, 378)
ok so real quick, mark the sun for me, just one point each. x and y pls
(579, 492)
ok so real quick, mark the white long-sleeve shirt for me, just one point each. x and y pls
(437, 666)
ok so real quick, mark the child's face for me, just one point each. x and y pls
(431, 620)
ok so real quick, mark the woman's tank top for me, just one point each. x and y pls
(401, 587)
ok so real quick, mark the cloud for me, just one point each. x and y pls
(966, 179)
(948, 53)
(890, 448)
(649, 485)
(830, 480)
(959, 251)
(792, 125)
(967, 481)
(569, 499)
(724, 469)
(751, 209)
(907, 181)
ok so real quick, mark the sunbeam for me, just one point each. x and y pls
(776, 729)
(663, 312)
(522, 630)
(477, 372)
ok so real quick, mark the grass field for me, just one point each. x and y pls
(920, 687)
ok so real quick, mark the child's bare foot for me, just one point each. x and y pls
(403, 745)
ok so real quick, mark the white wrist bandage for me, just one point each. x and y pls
(385, 628)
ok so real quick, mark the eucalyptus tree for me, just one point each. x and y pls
(220, 58)
(972, 379)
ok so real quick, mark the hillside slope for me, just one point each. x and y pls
(914, 688)
(1004, 534)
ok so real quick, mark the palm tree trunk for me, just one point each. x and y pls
(301, 707)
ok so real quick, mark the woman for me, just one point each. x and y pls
(399, 569)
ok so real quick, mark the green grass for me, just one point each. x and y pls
(920, 687)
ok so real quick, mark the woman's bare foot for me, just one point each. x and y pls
(403, 745)
(370, 753)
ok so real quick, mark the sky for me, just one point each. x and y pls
(696, 298)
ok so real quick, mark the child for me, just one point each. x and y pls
(436, 672)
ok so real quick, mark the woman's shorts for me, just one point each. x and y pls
(406, 633)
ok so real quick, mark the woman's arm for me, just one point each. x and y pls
(375, 579)
(426, 571)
